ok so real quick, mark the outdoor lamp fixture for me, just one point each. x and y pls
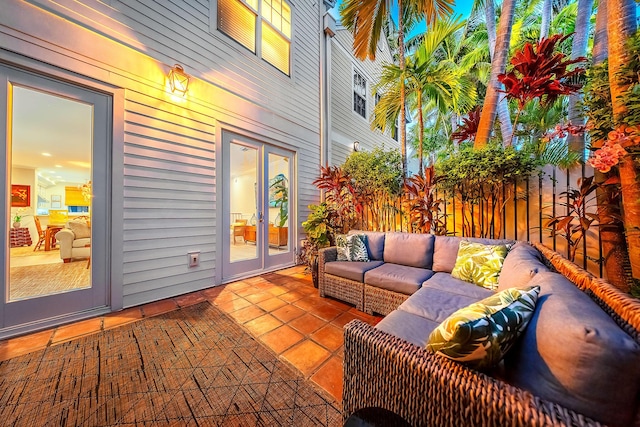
(356, 146)
(178, 80)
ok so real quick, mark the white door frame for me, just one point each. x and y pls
(266, 262)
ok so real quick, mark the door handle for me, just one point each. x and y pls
(260, 217)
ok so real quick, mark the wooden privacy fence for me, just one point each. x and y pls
(519, 213)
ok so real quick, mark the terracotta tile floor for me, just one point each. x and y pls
(282, 309)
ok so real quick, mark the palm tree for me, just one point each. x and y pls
(547, 8)
(427, 77)
(498, 65)
(578, 49)
(614, 248)
(621, 25)
(366, 18)
(490, 21)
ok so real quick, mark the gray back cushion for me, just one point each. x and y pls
(574, 354)
(522, 263)
(414, 250)
(446, 250)
(374, 243)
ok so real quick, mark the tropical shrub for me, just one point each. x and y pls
(420, 203)
(340, 196)
(377, 178)
(484, 177)
(574, 225)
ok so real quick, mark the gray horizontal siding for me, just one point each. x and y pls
(169, 200)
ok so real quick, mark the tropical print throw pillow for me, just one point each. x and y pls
(352, 247)
(480, 334)
(479, 264)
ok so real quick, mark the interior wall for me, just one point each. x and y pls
(243, 197)
(24, 176)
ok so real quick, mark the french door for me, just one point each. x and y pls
(54, 152)
(258, 226)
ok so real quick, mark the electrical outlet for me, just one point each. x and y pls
(193, 258)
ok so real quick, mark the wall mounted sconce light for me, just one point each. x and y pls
(178, 80)
(356, 146)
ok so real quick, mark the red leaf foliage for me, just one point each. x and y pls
(538, 71)
(469, 127)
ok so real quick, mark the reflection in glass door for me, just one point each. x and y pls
(279, 178)
(257, 199)
(55, 148)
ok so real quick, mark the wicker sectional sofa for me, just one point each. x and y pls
(577, 363)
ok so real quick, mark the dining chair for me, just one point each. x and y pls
(41, 234)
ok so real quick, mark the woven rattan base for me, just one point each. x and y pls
(345, 290)
(382, 301)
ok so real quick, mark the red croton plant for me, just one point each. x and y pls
(469, 127)
(540, 72)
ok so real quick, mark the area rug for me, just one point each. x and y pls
(193, 366)
(45, 279)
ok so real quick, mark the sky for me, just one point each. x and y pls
(461, 7)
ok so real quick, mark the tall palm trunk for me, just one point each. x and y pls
(403, 121)
(503, 105)
(578, 49)
(547, 8)
(420, 135)
(600, 38)
(614, 246)
(498, 65)
(621, 16)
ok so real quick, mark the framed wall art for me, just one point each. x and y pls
(20, 196)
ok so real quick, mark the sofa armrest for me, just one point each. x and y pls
(325, 255)
(381, 370)
(65, 236)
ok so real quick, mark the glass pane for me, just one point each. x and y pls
(253, 4)
(266, 10)
(279, 180)
(275, 49)
(243, 202)
(238, 22)
(50, 235)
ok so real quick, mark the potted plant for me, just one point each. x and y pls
(319, 233)
(20, 213)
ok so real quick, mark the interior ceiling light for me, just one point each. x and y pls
(178, 80)
(46, 154)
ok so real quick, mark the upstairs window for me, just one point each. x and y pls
(359, 94)
(262, 26)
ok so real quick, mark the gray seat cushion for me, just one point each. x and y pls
(413, 250)
(574, 354)
(435, 304)
(522, 263)
(446, 250)
(374, 243)
(397, 278)
(445, 282)
(408, 326)
(352, 270)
